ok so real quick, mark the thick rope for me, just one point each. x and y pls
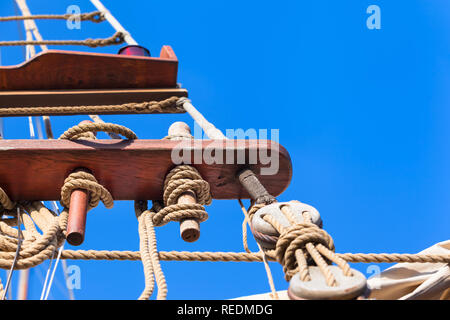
(5, 201)
(247, 257)
(149, 253)
(117, 38)
(168, 105)
(246, 221)
(95, 16)
(74, 132)
(36, 248)
(179, 180)
(86, 181)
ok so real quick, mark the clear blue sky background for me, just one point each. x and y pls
(363, 113)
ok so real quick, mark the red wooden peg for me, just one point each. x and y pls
(76, 224)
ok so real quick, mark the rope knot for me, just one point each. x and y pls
(183, 179)
(86, 130)
(117, 38)
(84, 180)
(96, 16)
(298, 237)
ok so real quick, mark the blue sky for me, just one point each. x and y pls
(363, 113)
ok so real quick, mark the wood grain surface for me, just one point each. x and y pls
(56, 69)
(133, 169)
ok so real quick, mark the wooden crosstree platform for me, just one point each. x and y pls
(66, 78)
(135, 169)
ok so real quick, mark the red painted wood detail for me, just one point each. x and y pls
(55, 69)
(135, 170)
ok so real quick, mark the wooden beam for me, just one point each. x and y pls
(89, 97)
(55, 69)
(135, 169)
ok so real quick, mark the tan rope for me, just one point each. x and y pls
(5, 201)
(84, 180)
(274, 293)
(183, 178)
(151, 262)
(32, 251)
(144, 250)
(95, 16)
(115, 39)
(1, 288)
(246, 257)
(168, 105)
(74, 132)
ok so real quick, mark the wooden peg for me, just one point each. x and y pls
(189, 228)
(76, 224)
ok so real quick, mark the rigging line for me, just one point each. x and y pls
(46, 276)
(54, 270)
(97, 119)
(114, 22)
(30, 23)
(19, 30)
(66, 278)
(63, 262)
(274, 293)
(19, 244)
(31, 28)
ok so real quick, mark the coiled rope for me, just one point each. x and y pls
(179, 180)
(81, 179)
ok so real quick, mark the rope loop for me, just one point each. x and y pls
(84, 180)
(96, 16)
(185, 178)
(179, 180)
(77, 131)
(297, 237)
(116, 38)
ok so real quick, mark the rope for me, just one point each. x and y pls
(84, 180)
(115, 39)
(179, 180)
(149, 253)
(5, 202)
(33, 251)
(75, 132)
(165, 106)
(274, 293)
(219, 256)
(95, 16)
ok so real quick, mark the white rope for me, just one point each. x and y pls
(19, 244)
(30, 24)
(211, 131)
(113, 22)
(53, 272)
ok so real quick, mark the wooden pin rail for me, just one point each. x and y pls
(67, 78)
(64, 70)
(133, 169)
